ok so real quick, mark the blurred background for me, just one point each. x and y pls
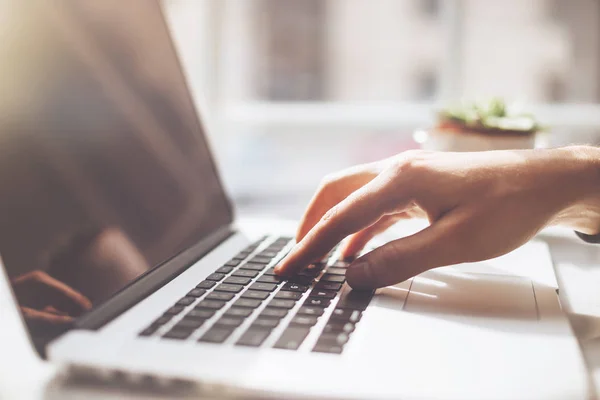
(291, 90)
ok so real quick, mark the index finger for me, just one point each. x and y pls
(361, 209)
(333, 192)
(64, 296)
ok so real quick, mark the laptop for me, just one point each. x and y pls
(124, 257)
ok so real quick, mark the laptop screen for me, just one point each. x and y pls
(104, 169)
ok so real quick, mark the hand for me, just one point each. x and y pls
(479, 205)
(46, 299)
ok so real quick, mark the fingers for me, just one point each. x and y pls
(66, 298)
(49, 291)
(360, 239)
(333, 191)
(45, 316)
(404, 258)
(361, 209)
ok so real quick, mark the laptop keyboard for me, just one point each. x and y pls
(244, 303)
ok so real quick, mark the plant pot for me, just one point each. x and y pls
(441, 139)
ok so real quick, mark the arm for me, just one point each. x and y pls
(479, 205)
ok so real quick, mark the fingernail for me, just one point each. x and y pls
(358, 275)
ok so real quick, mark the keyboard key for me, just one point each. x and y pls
(265, 287)
(178, 334)
(327, 348)
(345, 315)
(338, 327)
(279, 303)
(187, 324)
(246, 273)
(317, 302)
(248, 303)
(268, 253)
(253, 266)
(301, 280)
(223, 296)
(323, 294)
(276, 313)
(294, 287)
(255, 294)
(277, 245)
(215, 277)
(196, 292)
(336, 271)
(211, 304)
(355, 299)
(216, 335)
(199, 313)
(339, 339)
(304, 320)
(226, 287)
(162, 320)
(329, 277)
(185, 301)
(310, 273)
(238, 312)
(205, 285)
(174, 310)
(149, 331)
(224, 270)
(292, 338)
(260, 260)
(237, 280)
(318, 266)
(232, 263)
(270, 279)
(253, 337)
(265, 323)
(229, 322)
(270, 271)
(340, 264)
(328, 286)
(288, 295)
(312, 311)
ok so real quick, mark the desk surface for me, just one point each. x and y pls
(24, 376)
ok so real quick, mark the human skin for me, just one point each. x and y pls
(479, 205)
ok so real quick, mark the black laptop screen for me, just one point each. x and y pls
(104, 169)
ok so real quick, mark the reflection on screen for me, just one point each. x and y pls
(104, 171)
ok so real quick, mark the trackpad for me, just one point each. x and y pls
(448, 291)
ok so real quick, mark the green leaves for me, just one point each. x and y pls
(490, 115)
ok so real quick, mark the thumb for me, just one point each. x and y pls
(399, 260)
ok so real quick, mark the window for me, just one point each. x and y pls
(426, 85)
(290, 41)
(310, 86)
(430, 8)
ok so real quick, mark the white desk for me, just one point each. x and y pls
(24, 376)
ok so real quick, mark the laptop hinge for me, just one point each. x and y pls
(151, 281)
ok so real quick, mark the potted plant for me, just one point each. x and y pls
(472, 126)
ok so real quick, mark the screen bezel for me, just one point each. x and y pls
(161, 274)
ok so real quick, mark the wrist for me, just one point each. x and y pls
(582, 183)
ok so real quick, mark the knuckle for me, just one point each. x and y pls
(414, 163)
(331, 215)
(328, 180)
(38, 275)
